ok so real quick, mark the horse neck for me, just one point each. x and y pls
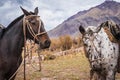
(14, 38)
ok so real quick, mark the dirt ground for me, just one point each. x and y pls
(69, 67)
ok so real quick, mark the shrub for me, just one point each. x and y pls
(77, 42)
(55, 44)
(66, 42)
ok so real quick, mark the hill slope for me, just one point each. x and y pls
(109, 10)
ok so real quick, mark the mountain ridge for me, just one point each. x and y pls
(108, 10)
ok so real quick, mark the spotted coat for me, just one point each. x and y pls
(102, 54)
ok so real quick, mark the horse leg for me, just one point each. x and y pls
(39, 58)
(98, 76)
(110, 75)
(118, 63)
(91, 74)
(94, 76)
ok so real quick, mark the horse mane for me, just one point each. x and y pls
(10, 25)
(13, 22)
(17, 19)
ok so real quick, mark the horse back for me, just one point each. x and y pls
(113, 32)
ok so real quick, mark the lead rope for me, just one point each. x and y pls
(95, 50)
(26, 23)
(24, 31)
(94, 44)
(33, 34)
(39, 58)
(16, 71)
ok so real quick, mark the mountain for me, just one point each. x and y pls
(109, 10)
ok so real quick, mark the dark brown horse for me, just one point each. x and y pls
(29, 26)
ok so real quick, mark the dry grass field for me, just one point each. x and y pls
(69, 67)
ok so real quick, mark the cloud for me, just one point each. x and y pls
(8, 12)
(55, 12)
(52, 12)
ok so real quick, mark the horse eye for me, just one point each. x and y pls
(85, 44)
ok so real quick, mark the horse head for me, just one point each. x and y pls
(91, 44)
(34, 28)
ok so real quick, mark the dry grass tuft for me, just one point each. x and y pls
(69, 67)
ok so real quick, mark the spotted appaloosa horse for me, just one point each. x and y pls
(101, 53)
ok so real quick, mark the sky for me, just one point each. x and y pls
(52, 12)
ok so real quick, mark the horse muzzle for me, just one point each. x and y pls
(45, 45)
(96, 67)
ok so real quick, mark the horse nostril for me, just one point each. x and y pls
(47, 43)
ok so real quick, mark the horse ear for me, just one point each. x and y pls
(81, 29)
(107, 23)
(25, 11)
(36, 10)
